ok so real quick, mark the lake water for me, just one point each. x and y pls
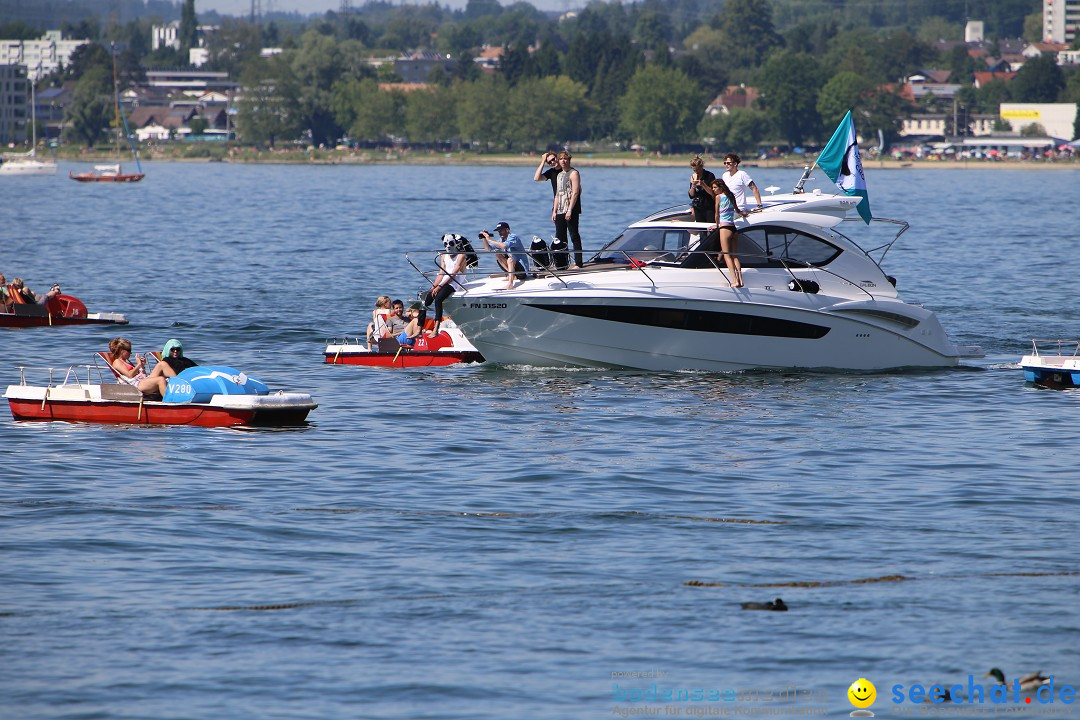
(484, 542)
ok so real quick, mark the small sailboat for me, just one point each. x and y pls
(28, 163)
(114, 172)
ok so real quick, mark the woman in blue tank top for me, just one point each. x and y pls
(726, 208)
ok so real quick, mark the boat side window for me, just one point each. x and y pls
(796, 246)
(750, 244)
(645, 244)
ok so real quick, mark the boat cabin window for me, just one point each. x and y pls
(645, 244)
(778, 243)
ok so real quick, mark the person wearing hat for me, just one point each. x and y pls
(510, 253)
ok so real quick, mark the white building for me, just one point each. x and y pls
(1056, 118)
(165, 36)
(39, 57)
(1061, 19)
(973, 31)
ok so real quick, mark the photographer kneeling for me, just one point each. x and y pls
(510, 253)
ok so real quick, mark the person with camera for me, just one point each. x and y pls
(509, 253)
(701, 194)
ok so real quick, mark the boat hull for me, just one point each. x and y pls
(1051, 371)
(402, 360)
(93, 404)
(91, 177)
(32, 168)
(651, 332)
(11, 320)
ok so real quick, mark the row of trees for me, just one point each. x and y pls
(641, 72)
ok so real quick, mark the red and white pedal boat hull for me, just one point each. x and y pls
(122, 405)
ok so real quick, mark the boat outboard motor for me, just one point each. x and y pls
(538, 251)
(560, 255)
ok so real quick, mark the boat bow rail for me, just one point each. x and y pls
(641, 261)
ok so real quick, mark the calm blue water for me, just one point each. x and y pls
(480, 542)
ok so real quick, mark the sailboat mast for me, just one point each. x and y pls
(33, 118)
(116, 103)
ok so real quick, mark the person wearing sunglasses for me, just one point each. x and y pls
(738, 181)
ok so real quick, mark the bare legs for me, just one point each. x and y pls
(727, 246)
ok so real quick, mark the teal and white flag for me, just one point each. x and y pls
(841, 162)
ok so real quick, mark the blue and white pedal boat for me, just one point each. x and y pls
(1053, 363)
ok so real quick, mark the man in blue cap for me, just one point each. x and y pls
(510, 253)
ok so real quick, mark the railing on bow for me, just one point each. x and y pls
(636, 260)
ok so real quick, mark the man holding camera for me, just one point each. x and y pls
(509, 253)
(702, 200)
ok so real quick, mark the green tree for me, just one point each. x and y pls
(514, 64)
(845, 91)
(189, 28)
(367, 112)
(740, 130)
(789, 84)
(748, 32)
(86, 57)
(1040, 80)
(431, 115)
(990, 96)
(936, 28)
(884, 110)
(481, 108)
(266, 108)
(18, 30)
(652, 29)
(1033, 27)
(545, 109)
(675, 120)
(198, 125)
(319, 62)
(1033, 130)
(234, 44)
(91, 109)
(961, 65)
(705, 59)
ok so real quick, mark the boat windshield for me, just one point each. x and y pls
(646, 245)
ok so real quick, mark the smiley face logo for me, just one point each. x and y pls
(862, 693)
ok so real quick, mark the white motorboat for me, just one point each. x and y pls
(658, 298)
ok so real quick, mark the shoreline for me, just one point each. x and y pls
(583, 160)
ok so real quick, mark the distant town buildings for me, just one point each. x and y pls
(39, 57)
(13, 104)
(1061, 18)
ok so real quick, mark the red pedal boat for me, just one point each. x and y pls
(57, 310)
(203, 396)
(449, 347)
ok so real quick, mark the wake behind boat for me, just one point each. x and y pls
(658, 298)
